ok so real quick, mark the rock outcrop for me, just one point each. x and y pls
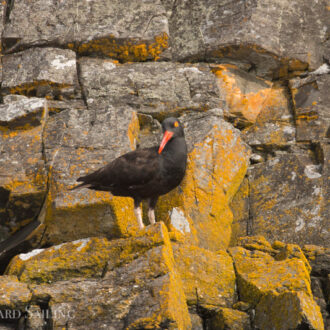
(243, 241)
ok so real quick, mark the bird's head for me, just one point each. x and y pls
(171, 128)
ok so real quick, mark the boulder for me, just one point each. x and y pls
(229, 319)
(89, 257)
(13, 294)
(159, 89)
(239, 205)
(77, 142)
(208, 278)
(288, 199)
(319, 259)
(257, 34)
(258, 273)
(247, 99)
(132, 31)
(23, 175)
(288, 310)
(41, 72)
(311, 105)
(217, 163)
(142, 290)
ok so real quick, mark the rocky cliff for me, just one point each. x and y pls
(243, 242)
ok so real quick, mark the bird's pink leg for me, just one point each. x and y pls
(151, 209)
(138, 214)
(151, 216)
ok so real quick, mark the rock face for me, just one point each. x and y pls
(243, 241)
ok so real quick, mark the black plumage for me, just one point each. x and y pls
(144, 173)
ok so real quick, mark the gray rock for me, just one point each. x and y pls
(143, 290)
(125, 30)
(311, 105)
(22, 176)
(77, 142)
(287, 200)
(258, 33)
(41, 72)
(23, 111)
(270, 135)
(159, 89)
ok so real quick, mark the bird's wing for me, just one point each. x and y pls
(132, 169)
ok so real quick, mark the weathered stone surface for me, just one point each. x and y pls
(247, 99)
(270, 136)
(13, 294)
(229, 319)
(77, 141)
(287, 200)
(41, 72)
(21, 112)
(130, 31)
(311, 105)
(208, 278)
(217, 163)
(258, 274)
(22, 176)
(288, 310)
(257, 33)
(150, 88)
(239, 205)
(88, 257)
(257, 243)
(34, 318)
(319, 259)
(141, 291)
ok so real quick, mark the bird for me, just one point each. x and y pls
(144, 173)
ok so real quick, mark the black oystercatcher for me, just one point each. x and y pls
(144, 173)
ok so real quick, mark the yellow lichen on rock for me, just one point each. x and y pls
(13, 294)
(125, 50)
(247, 105)
(200, 206)
(208, 277)
(288, 310)
(259, 273)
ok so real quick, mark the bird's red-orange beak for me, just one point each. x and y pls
(166, 137)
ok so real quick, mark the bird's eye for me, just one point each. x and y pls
(176, 124)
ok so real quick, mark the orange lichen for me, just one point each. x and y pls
(247, 105)
(126, 51)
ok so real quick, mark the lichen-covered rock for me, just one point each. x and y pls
(319, 259)
(287, 200)
(41, 72)
(288, 310)
(245, 97)
(76, 142)
(228, 319)
(257, 242)
(208, 278)
(260, 33)
(13, 294)
(239, 205)
(217, 163)
(140, 291)
(88, 257)
(22, 176)
(259, 273)
(130, 31)
(151, 88)
(311, 105)
(21, 112)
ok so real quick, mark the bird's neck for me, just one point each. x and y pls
(175, 152)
